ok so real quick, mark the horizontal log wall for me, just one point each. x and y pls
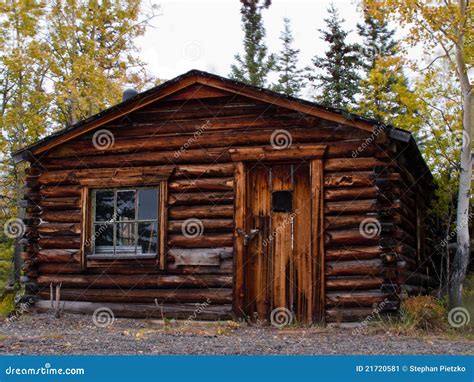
(194, 141)
(416, 252)
(360, 202)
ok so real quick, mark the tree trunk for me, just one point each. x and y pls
(461, 258)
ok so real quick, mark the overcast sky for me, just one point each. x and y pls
(206, 34)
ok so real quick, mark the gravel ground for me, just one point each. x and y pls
(42, 334)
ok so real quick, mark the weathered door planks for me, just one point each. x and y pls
(279, 269)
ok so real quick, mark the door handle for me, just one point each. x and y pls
(248, 236)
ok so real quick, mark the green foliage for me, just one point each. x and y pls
(23, 100)
(377, 41)
(7, 304)
(290, 80)
(384, 91)
(440, 138)
(92, 54)
(6, 265)
(255, 64)
(336, 73)
(385, 96)
(444, 29)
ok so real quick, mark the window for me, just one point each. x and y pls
(125, 222)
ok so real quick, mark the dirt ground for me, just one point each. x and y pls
(42, 334)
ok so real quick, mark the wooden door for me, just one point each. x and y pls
(278, 264)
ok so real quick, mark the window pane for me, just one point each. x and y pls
(126, 205)
(126, 233)
(104, 205)
(147, 204)
(147, 238)
(104, 238)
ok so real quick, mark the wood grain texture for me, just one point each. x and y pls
(239, 247)
(317, 239)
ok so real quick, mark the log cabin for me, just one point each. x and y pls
(204, 190)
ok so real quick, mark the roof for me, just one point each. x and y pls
(200, 77)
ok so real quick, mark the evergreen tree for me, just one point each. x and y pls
(336, 73)
(290, 80)
(377, 41)
(385, 93)
(255, 64)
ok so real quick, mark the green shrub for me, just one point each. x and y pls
(7, 304)
(6, 265)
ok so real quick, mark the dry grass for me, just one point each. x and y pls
(422, 317)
